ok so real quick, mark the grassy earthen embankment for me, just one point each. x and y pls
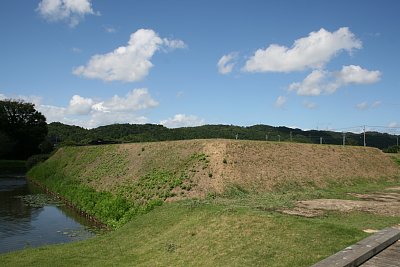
(227, 202)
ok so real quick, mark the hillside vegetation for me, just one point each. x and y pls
(229, 203)
(127, 133)
(116, 182)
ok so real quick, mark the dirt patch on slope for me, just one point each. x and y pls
(383, 203)
(265, 166)
(253, 165)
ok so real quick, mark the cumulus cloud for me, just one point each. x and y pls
(394, 125)
(226, 63)
(314, 84)
(37, 100)
(182, 120)
(128, 63)
(321, 81)
(109, 29)
(53, 113)
(280, 101)
(365, 105)
(362, 106)
(134, 100)
(79, 105)
(89, 113)
(70, 11)
(313, 51)
(173, 44)
(357, 75)
(376, 104)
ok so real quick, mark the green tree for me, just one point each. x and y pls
(22, 128)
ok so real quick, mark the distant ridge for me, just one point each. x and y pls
(127, 133)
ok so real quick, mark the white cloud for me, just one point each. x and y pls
(36, 100)
(314, 84)
(357, 75)
(134, 100)
(280, 101)
(182, 120)
(88, 113)
(79, 105)
(128, 63)
(310, 105)
(394, 125)
(173, 44)
(76, 50)
(109, 29)
(70, 11)
(313, 51)
(376, 104)
(362, 106)
(53, 113)
(226, 63)
(321, 81)
(365, 105)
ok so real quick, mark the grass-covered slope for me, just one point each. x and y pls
(116, 182)
(237, 222)
(205, 234)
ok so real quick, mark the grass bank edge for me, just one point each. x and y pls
(188, 233)
(127, 201)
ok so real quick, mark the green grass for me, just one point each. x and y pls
(396, 158)
(199, 233)
(285, 197)
(67, 173)
(237, 228)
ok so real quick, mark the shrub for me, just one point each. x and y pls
(392, 149)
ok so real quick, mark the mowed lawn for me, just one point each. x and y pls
(194, 233)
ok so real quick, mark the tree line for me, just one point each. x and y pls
(24, 132)
(126, 133)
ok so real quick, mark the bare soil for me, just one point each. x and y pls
(253, 165)
(381, 203)
(266, 166)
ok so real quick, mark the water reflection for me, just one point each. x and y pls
(24, 224)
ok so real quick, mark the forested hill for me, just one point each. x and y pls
(125, 133)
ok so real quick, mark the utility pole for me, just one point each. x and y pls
(290, 136)
(344, 138)
(279, 138)
(320, 140)
(365, 144)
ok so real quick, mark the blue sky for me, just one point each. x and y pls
(307, 64)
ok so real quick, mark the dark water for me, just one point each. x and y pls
(30, 218)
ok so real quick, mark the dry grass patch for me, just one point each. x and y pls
(381, 203)
(254, 165)
(266, 166)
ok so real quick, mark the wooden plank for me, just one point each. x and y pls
(389, 257)
(360, 252)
